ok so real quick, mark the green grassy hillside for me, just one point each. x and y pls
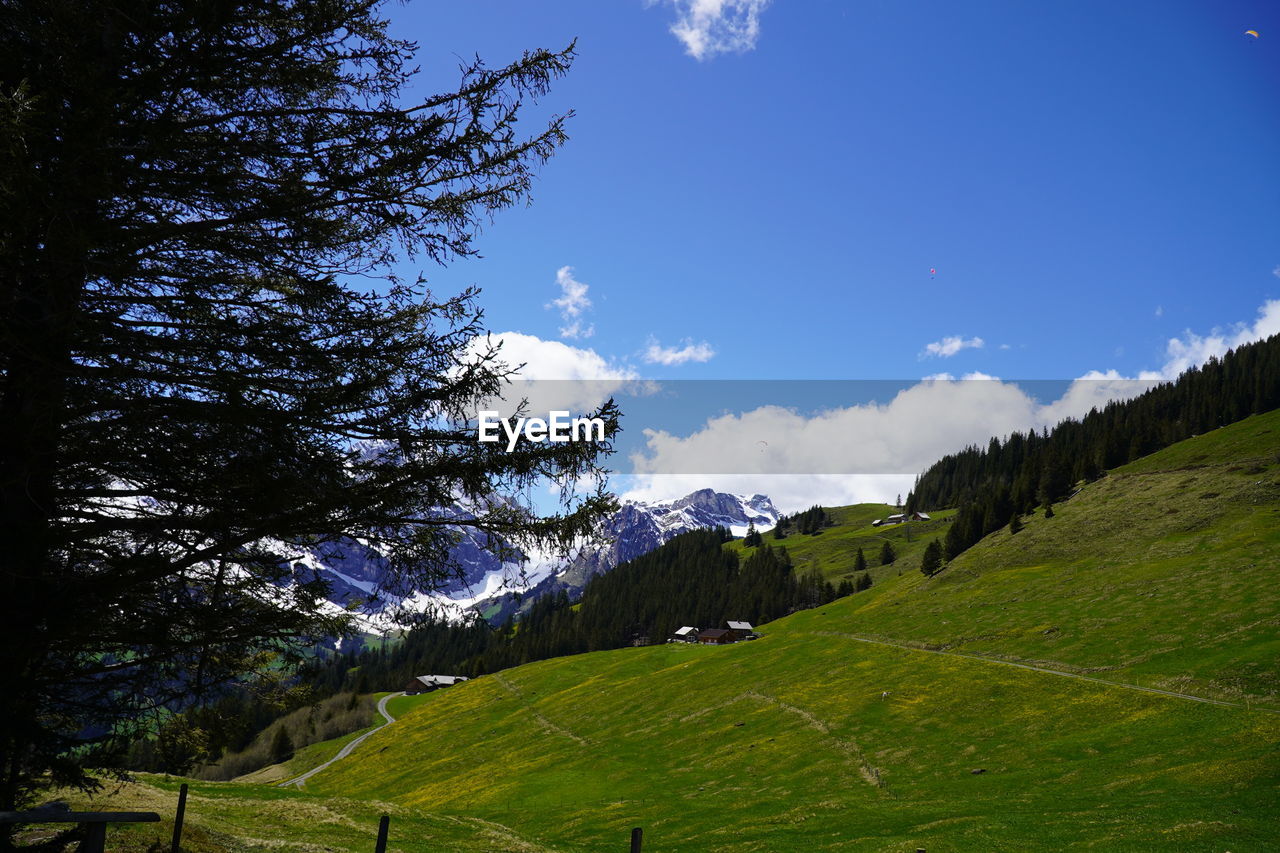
(1160, 575)
(1163, 573)
(1007, 704)
(832, 551)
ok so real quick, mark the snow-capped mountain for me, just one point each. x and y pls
(636, 528)
(358, 578)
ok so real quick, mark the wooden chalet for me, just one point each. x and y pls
(687, 634)
(717, 637)
(427, 683)
(899, 518)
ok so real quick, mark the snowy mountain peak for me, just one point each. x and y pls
(358, 574)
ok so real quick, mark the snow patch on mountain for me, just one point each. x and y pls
(360, 581)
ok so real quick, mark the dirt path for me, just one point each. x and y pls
(517, 694)
(850, 748)
(346, 750)
(1046, 670)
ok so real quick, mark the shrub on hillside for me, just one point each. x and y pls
(332, 718)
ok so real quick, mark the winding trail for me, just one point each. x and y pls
(987, 659)
(346, 750)
(542, 721)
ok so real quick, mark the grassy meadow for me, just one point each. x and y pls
(889, 720)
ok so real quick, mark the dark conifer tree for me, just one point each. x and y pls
(931, 562)
(281, 745)
(887, 556)
(198, 368)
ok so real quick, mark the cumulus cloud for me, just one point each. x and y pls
(872, 451)
(852, 454)
(708, 28)
(916, 427)
(544, 360)
(554, 375)
(655, 353)
(573, 303)
(949, 346)
(1192, 349)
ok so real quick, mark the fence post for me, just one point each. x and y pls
(637, 835)
(177, 819)
(383, 825)
(95, 839)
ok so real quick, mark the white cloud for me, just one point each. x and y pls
(573, 302)
(904, 436)
(854, 454)
(707, 28)
(655, 353)
(553, 375)
(1159, 310)
(949, 346)
(878, 448)
(1276, 272)
(1192, 349)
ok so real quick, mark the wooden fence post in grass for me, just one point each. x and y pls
(383, 824)
(95, 838)
(637, 835)
(177, 818)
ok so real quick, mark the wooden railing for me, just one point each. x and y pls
(95, 824)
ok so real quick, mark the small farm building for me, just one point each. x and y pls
(427, 683)
(687, 634)
(717, 637)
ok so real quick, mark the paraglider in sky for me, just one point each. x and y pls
(1253, 33)
(932, 272)
(763, 445)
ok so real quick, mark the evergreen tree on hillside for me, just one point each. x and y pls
(1015, 523)
(215, 346)
(1048, 511)
(860, 562)
(1055, 480)
(864, 582)
(931, 562)
(845, 588)
(886, 554)
(753, 537)
(281, 745)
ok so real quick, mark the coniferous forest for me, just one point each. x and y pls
(691, 580)
(1010, 478)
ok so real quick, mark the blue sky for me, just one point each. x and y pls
(1096, 183)
(1090, 179)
